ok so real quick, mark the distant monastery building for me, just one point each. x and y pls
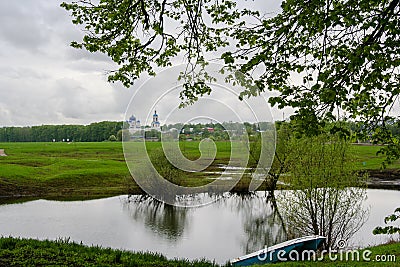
(155, 123)
(135, 125)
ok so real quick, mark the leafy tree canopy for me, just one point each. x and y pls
(330, 60)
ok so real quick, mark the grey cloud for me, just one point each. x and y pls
(22, 25)
(80, 100)
(36, 25)
(45, 81)
(24, 102)
(22, 73)
(78, 54)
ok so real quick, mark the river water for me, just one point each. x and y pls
(230, 227)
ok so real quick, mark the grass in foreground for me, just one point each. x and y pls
(30, 252)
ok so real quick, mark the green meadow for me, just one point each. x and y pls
(80, 170)
(367, 159)
(98, 169)
(62, 169)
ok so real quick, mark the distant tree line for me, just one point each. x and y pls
(112, 130)
(94, 132)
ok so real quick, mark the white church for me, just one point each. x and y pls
(155, 124)
(135, 125)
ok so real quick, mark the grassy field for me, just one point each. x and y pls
(367, 159)
(80, 170)
(60, 169)
(29, 252)
(91, 170)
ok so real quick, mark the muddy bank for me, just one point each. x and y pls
(384, 179)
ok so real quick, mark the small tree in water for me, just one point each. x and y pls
(327, 193)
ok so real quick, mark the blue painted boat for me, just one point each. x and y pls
(302, 248)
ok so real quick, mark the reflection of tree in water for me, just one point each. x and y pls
(165, 220)
(259, 218)
(261, 221)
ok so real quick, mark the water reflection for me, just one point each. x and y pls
(165, 220)
(257, 214)
(262, 222)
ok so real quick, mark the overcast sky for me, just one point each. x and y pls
(45, 81)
